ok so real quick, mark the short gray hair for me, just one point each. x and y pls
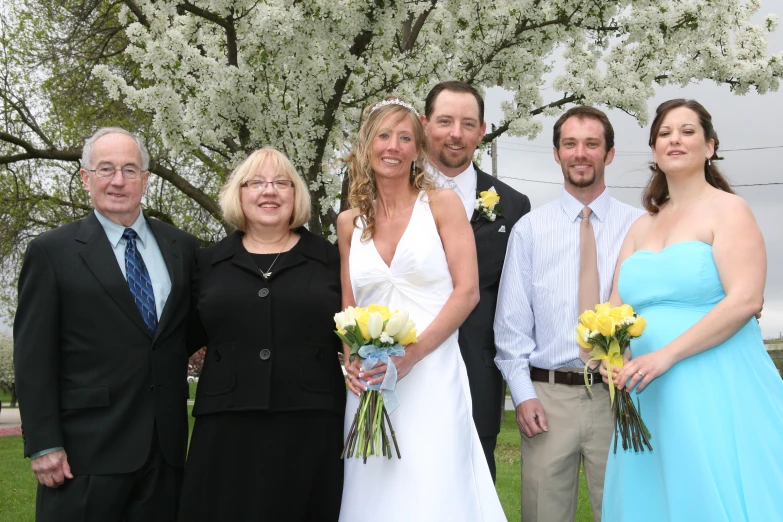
(103, 131)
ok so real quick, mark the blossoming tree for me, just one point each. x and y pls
(207, 81)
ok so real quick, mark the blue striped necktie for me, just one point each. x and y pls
(139, 281)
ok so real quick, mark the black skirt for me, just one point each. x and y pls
(264, 466)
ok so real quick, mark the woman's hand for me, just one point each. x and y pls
(640, 371)
(405, 363)
(605, 374)
(355, 373)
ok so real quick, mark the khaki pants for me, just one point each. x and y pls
(580, 431)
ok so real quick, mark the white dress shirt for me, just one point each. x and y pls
(148, 248)
(536, 312)
(464, 184)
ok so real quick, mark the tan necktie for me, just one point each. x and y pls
(589, 294)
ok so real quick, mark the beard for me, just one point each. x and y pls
(583, 182)
(451, 161)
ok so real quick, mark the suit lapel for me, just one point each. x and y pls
(173, 259)
(100, 259)
(483, 182)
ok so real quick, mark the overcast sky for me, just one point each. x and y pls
(742, 122)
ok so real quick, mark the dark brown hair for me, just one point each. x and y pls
(429, 103)
(582, 112)
(656, 193)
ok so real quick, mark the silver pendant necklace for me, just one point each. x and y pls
(268, 273)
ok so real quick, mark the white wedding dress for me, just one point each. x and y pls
(443, 475)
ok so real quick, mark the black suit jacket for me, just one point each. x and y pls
(89, 375)
(270, 343)
(477, 335)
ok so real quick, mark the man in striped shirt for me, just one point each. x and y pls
(536, 315)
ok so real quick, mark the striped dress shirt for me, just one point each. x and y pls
(537, 312)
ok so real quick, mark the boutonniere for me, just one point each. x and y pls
(488, 205)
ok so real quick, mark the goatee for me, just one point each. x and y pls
(453, 163)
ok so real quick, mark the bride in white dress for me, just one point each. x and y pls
(409, 246)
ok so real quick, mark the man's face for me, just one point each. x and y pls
(582, 155)
(453, 131)
(115, 197)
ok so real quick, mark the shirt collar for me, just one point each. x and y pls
(466, 181)
(573, 207)
(114, 230)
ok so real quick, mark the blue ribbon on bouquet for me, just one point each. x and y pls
(371, 355)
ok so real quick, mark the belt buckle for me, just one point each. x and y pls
(590, 378)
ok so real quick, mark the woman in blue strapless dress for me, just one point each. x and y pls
(695, 267)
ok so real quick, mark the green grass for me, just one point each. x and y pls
(5, 398)
(17, 485)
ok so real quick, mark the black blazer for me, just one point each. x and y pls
(477, 335)
(89, 375)
(270, 343)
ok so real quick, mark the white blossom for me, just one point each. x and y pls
(303, 71)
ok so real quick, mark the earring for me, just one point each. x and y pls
(655, 166)
(709, 162)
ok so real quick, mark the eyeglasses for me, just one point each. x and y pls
(260, 184)
(108, 171)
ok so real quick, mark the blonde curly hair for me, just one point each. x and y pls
(362, 190)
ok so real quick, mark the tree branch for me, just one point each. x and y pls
(411, 28)
(33, 153)
(504, 126)
(184, 186)
(137, 12)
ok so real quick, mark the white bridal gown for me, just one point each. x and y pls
(443, 475)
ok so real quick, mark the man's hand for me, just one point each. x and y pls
(52, 469)
(531, 418)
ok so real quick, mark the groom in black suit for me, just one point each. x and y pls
(99, 349)
(454, 122)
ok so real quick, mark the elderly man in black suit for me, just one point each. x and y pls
(454, 122)
(100, 351)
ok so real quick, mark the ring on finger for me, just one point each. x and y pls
(640, 373)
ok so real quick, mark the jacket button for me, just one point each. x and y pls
(217, 355)
(263, 292)
(265, 354)
(319, 354)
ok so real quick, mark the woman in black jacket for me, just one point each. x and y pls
(271, 397)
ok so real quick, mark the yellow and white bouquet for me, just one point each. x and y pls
(374, 333)
(487, 204)
(606, 333)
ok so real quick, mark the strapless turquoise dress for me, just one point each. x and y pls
(716, 418)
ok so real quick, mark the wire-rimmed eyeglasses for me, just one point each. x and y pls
(108, 171)
(260, 184)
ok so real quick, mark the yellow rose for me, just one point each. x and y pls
(383, 310)
(490, 198)
(581, 334)
(604, 324)
(588, 319)
(603, 308)
(410, 337)
(362, 317)
(637, 328)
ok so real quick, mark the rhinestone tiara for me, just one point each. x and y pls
(395, 101)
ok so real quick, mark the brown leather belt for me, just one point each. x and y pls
(569, 378)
